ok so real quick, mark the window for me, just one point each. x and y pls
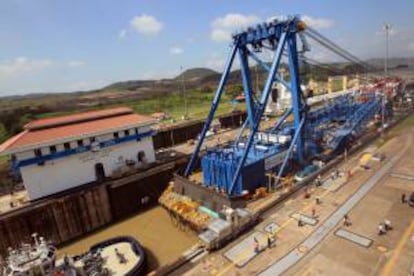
(116, 135)
(126, 132)
(66, 146)
(52, 149)
(80, 143)
(92, 139)
(38, 152)
(141, 156)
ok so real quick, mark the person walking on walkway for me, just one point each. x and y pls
(318, 181)
(403, 198)
(300, 222)
(381, 229)
(387, 225)
(269, 240)
(347, 222)
(256, 245)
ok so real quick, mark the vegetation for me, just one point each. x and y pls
(3, 132)
(146, 96)
(196, 73)
(198, 104)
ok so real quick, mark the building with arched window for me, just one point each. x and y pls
(55, 154)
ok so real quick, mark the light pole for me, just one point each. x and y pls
(184, 94)
(387, 28)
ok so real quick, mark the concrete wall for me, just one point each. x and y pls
(206, 197)
(178, 134)
(59, 219)
(65, 173)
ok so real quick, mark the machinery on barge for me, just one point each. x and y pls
(30, 259)
(117, 256)
(223, 177)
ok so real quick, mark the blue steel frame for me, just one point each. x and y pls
(279, 35)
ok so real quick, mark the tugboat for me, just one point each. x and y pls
(30, 259)
(117, 256)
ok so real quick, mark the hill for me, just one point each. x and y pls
(196, 73)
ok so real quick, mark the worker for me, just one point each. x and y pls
(121, 257)
(300, 222)
(336, 173)
(318, 200)
(347, 222)
(381, 229)
(318, 181)
(403, 198)
(387, 225)
(313, 212)
(256, 245)
(269, 240)
(307, 193)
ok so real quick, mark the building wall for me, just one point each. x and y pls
(74, 170)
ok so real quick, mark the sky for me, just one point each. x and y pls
(61, 46)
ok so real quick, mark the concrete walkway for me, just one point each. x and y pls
(326, 227)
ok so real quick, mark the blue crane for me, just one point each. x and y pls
(278, 37)
(242, 165)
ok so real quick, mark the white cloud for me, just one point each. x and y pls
(146, 24)
(216, 62)
(318, 22)
(21, 65)
(122, 34)
(176, 50)
(392, 32)
(235, 20)
(76, 63)
(411, 46)
(220, 35)
(222, 27)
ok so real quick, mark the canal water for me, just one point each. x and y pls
(161, 237)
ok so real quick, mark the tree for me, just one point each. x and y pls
(3, 133)
(234, 90)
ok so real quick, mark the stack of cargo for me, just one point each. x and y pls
(185, 208)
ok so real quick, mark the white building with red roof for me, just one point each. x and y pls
(56, 154)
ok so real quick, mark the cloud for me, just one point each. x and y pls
(411, 46)
(146, 24)
(235, 20)
(222, 27)
(22, 65)
(391, 32)
(76, 63)
(216, 62)
(176, 50)
(318, 22)
(122, 34)
(220, 35)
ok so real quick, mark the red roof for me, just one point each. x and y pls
(79, 117)
(47, 131)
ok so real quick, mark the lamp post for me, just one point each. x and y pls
(184, 94)
(387, 28)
